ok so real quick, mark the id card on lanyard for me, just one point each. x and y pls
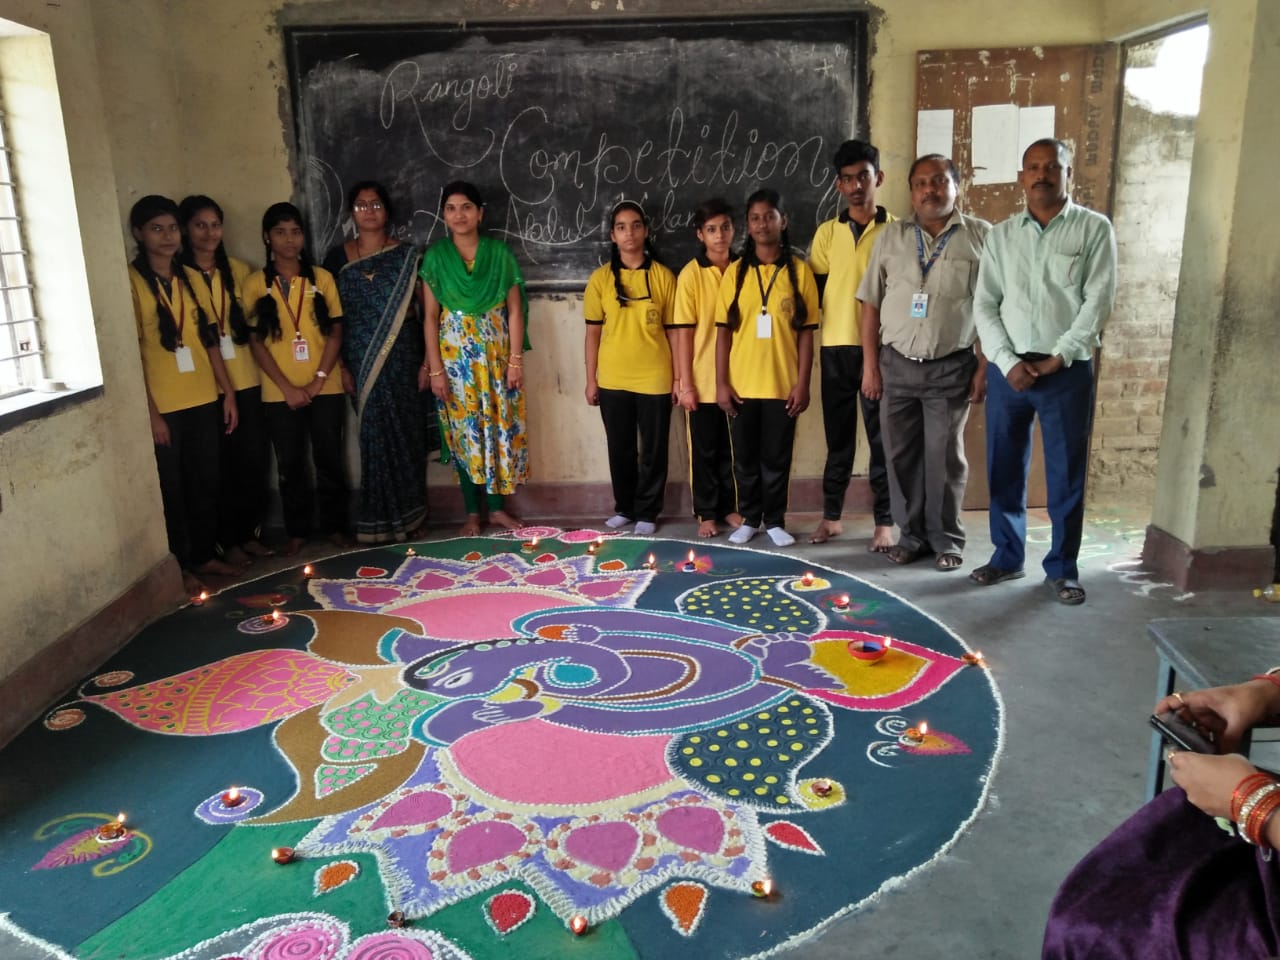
(181, 353)
(764, 322)
(226, 345)
(920, 300)
(301, 349)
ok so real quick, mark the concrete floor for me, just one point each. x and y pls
(1077, 683)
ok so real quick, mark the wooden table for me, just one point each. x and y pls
(1208, 652)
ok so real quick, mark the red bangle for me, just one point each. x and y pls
(1245, 787)
(1254, 829)
(1269, 677)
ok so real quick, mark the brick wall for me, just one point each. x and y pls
(1153, 172)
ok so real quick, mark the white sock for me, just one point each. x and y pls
(780, 537)
(616, 521)
(743, 534)
(645, 528)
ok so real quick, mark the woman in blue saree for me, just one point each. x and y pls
(382, 351)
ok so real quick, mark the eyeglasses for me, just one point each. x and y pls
(364, 206)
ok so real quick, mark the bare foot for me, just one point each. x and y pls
(192, 584)
(256, 548)
(341, 539)
(472, 527)
(236, 557)
(294, 546)
(734, 520)
(881, 540)
(218, 568)
(504, 519)
(708, 528)
(826, 530)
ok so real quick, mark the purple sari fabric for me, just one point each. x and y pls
(1168, 884)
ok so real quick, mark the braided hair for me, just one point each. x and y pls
(615, 257)
(749, 259)
(267, 311)
(143, 212)
(187, 210)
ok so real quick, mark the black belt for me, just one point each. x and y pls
(954, 353)
(1034, 357)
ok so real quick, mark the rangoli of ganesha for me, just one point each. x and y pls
(481, 720)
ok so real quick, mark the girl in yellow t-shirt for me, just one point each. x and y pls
(183, 371)
(715, 495)
(297, 336)
(242, 481)
(766, 316)
(631, 352)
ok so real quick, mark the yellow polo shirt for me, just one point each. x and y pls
(766, 367)
(697, 291)
(242, 369)
(843, 260)
(634, 352)
(297, 372)
(171, 389)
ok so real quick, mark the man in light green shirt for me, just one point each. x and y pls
(1045, 288)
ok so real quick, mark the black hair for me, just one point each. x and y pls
(142, 213)
(1063, 151)
(709, 210)
(800, 312)
(187, 210)
(360, 186)
(856, 151)
(468, 190)
(266, 309)
(952, 172)
(615, 257)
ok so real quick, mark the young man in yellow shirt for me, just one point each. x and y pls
(839, 255)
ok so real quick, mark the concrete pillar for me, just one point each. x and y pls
(1220, 443)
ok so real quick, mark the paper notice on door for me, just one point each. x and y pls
(994, 143)
(934, 131)
(1034, 123)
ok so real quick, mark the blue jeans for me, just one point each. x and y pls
(1064, 403)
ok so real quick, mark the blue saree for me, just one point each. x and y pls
(382, 346)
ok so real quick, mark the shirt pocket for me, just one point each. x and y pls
(955, 278)
(1064, 270)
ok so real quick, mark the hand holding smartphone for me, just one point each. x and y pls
(1181, 734)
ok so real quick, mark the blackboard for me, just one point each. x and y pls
(557, 122)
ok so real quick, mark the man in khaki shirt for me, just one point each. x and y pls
(921, 361)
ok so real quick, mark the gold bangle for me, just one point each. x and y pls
(436, 373)
(513, 362)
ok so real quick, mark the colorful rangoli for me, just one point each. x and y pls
(549, 744)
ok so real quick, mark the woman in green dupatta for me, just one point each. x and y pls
(475, 307)
(382, 352)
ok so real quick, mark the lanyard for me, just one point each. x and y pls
(764, 294)
(179, 315)
(926, 266)
(284, 295)
(214, 288)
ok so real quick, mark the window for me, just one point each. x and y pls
(21, 364)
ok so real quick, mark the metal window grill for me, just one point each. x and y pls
(21, 353)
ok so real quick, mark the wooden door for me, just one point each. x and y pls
(993, 96)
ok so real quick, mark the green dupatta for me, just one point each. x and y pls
(494, 273)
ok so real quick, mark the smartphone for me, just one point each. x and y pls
(1181, 734)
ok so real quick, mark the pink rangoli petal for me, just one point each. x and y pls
(426, 806)
(479, 843)
(698, 828)
(607, 845)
